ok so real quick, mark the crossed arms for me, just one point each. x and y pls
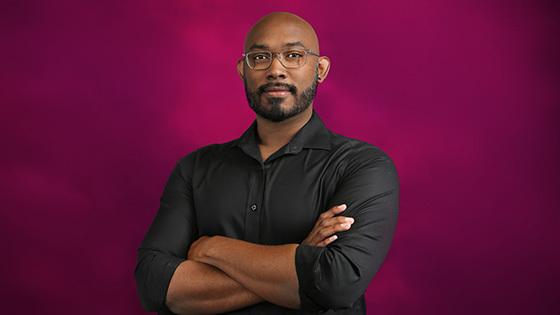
(219, 274)
(222, 273)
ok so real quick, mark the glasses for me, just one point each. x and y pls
(291, 58)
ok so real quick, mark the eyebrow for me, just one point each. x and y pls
(261, 46)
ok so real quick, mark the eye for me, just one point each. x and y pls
(293, 54)
(260, 56)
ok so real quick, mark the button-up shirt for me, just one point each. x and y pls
(227, 189)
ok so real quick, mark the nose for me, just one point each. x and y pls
(276, 70)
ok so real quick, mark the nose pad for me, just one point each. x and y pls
(276, 58)
(276, 68)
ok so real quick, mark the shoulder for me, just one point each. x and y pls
(358, 155)
(207, 151)
(358, 151)
(206, 154)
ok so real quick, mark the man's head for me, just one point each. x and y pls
(278, 92)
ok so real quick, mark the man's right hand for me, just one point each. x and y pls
(327, 224)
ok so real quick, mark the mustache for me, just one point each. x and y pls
(289, 87)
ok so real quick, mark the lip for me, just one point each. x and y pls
(277, 93)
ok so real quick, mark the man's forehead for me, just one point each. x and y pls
(281, 30)
(290, 44)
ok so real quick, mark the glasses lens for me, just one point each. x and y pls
(293, 58)
(259, 60)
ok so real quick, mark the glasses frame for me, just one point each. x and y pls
(280, 58)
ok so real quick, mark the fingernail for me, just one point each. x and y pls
(350, 220)
(346, 226)
(342, 206)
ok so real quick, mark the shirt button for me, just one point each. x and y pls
(254, 207)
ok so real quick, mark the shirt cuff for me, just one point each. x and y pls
(307, 269)
(153, 275)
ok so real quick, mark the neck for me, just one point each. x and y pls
(276, 134)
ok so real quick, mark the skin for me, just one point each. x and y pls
(274, 31)
(222, 274)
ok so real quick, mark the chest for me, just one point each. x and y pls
(274, 203)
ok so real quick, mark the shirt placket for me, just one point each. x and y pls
(255, 204)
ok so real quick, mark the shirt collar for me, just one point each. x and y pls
(313, 135)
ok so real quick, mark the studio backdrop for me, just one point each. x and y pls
(100, 99)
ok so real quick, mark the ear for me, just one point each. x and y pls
(240, 70)
(323, 68)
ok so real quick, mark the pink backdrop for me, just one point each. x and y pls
(100, 99)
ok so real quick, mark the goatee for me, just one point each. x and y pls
(274, 111)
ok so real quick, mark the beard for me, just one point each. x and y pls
(274, 111)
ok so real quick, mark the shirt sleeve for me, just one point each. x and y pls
(168, 238)
(337, 275)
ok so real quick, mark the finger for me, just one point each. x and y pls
(336, 220)
(332, 212)
(327, 241)
(328, 231)
(314, 236)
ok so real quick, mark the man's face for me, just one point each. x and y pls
(278, 108)
(278, 93)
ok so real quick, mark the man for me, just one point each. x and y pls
(254, 226)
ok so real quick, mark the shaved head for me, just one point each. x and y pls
(285, 21)
(278, 92)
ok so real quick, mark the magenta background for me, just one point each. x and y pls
(100, 99)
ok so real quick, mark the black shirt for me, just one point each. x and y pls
(226, 189)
